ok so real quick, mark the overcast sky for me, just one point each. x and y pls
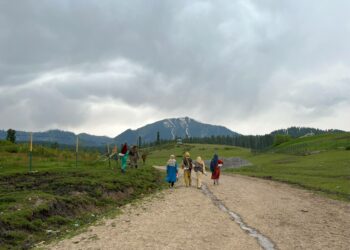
(102, 66)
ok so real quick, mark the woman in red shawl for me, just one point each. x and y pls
(215, 166)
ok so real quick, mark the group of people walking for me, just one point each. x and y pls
(198, 166)
(130, 155)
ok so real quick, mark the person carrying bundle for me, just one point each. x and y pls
(215, 166)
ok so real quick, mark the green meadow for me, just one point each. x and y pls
(59, 197)
(320, 163)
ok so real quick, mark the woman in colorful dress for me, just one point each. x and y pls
(124, 154)
(215, 166)
(171, 171)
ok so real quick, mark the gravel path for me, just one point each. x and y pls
(186, 218)
(293, 218)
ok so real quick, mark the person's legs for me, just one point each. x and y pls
(186, 178)
(199, 179)
(200, 175)
(189, 178)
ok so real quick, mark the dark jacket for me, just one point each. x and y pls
(187, 164)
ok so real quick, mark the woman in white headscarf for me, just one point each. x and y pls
(171, 171)
(199, 169)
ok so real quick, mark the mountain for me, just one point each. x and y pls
(302, 131)
(170, 129)
(61, 137)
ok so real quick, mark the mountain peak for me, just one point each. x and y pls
(172, 128)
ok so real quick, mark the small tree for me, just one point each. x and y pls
(158, 138)
(140, 142)
(11, 135)
(55, 145)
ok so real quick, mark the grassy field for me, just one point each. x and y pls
(320, 163)
(59, 197)
(308, 145)
(327, 172)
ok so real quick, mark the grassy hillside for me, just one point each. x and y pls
(308, 145)
(60, 197)
(320, 163)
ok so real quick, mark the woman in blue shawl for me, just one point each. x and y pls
(215, 169)
(171, 171)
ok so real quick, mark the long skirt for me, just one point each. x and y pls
(124, 162)
(216, 173)
(199, 176)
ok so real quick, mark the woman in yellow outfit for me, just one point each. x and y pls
(199, 169)
(187, 167)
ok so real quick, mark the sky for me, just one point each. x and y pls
(103, 66)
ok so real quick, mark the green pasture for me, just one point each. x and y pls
(59, 197)
(309, 145)
(327, 171)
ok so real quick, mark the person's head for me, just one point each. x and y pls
(187, 155)
(172, 160)
(199, 159)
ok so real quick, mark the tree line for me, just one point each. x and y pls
(254, 142)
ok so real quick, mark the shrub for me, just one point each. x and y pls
(279, 139)
(11, 149)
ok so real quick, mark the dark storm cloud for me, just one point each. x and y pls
(233, 59)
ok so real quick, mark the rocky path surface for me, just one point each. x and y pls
(190, 218)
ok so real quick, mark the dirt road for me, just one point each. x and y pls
(224, 217)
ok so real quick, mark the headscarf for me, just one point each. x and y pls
(199, 160)
(125, 148)
(172, 161)
(214, 162)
